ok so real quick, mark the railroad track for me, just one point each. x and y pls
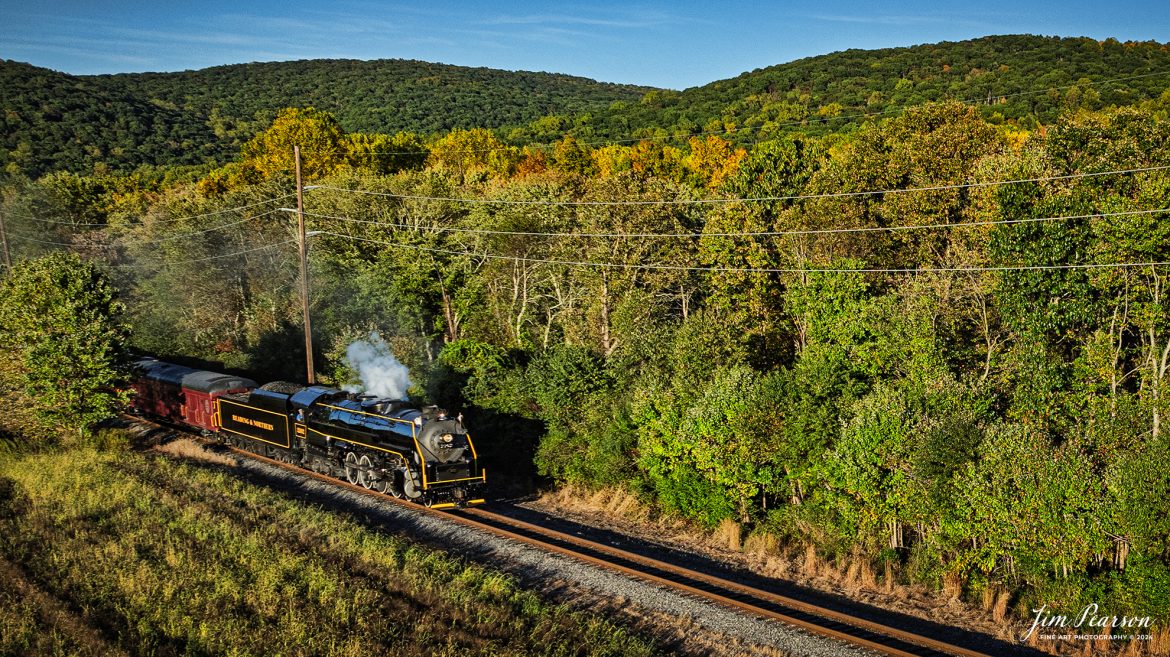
(807, 616)
(813, 618)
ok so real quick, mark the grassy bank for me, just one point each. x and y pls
(137, 553)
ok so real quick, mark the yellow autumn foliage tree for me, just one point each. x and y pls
(713, 160)
(471, 152)
(323, 143)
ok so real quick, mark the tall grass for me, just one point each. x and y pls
(171, 558)
(32, 623)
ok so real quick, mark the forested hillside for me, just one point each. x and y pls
(1026, 80)
(54, 121)
(58, 122)
(386, 96)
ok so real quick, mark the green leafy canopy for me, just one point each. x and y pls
(62, 322)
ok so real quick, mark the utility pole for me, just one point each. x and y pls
(4, 243)
(303, 247)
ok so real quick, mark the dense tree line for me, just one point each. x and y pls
(63, 331)
(887, 352)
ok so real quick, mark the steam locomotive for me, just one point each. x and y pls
(385, 445)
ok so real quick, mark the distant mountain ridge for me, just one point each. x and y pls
(54, 121)
(57, 121)
(387, 95)
(1021, 78)
(192, 117)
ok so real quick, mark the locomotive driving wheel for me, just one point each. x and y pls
(410, 487)
(366, 474)
(384, 484)
(351, 468)
(380, 480)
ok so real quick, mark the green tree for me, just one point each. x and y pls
(62, 322)
(574, 157)
(565, 386)
(754, 300)
(727, 436)
(1030, 506)
(72, 198)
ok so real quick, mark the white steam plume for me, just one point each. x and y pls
(379, 370)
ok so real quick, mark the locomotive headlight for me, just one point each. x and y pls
(446, 438)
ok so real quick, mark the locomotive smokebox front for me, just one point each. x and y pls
(444, 441)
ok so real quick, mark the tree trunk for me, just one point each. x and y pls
(519, 298)
(1157, 367)
(450, 318)
(988, 341)
(607, 345)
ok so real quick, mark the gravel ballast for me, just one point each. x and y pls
(677, 618)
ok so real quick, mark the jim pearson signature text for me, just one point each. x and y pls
(1088, 618)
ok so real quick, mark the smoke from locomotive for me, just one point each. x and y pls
(380, 372)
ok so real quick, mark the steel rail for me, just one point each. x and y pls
(742, 590)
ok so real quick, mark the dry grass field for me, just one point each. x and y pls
(136, 553)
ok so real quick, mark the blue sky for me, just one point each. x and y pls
(668, 44)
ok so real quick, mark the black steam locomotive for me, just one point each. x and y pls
(385, 445)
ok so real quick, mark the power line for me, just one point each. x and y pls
(770, 233)
(166, 262)
(231, 255)
(760, 270)
(165, 238)
(712, 201)
(168, 238)
(161, 221)
(25, 238)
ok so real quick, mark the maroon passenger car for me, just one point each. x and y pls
(182, 394)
